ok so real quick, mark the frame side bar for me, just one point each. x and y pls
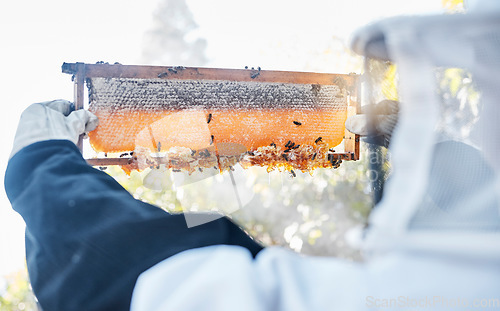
(351, 140)
(79, 80)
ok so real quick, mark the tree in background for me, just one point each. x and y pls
(173, 40)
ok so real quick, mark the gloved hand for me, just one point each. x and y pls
(52, 120)
(376, 122)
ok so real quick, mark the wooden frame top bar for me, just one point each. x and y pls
(197, 73)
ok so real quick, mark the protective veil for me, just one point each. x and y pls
(443, 195)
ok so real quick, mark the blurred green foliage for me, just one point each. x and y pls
(310, 213)
(16, 293)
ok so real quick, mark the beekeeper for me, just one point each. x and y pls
(92, 246)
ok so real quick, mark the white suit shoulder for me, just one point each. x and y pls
(228, 278)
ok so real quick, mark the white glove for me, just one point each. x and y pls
(370, 41)
(52, 120)
(375, 121)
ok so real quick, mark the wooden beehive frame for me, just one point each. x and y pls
(82, 71)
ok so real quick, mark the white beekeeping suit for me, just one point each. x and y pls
(481, 5)
(434, 241)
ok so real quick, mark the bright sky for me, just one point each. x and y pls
(36, 37)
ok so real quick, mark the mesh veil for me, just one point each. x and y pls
(444, 191)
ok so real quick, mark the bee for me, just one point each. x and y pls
(211, 139)
(193, 152)
(102, 168)
(173, 70)
(285, 156)
(123, 155)
(176, 170)
(253, 68)
(273, 145)
(200, 169)
(254, 75)
(209, 118)
(251, 153)
(216, 168)
(314, 156)
(315, 88)
(333, 161)
(287, 150)
(105, 154)
(231, 168)
(131, 153)
(297, 123)
(159, 146)
(163, 74)
(295, 147)
(180, 67)
(340, 82)
(117, 63)
(288, 144)
(246, 67)
(205, 153)
(318, 140)
(293, 173)
(258, 68)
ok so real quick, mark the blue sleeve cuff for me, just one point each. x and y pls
(23, 164)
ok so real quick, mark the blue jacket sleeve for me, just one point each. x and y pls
(87, 238)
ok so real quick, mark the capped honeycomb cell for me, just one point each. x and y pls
(247, 113)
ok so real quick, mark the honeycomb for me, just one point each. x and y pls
(233, 121)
